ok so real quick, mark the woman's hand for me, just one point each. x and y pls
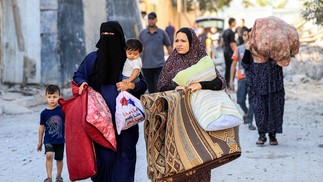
(123, 86)
(82, 87)
(180, 88)
(194, 87)
(247, 45)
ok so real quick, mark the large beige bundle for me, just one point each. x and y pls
(273, 38)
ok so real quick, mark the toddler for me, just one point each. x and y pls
(133, 64)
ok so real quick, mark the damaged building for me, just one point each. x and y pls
(44, 41)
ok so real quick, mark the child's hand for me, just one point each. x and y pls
(39, 147)
(126, 81)
(232, 86)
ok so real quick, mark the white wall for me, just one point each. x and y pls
(12, 56)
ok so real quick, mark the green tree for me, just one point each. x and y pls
(313, 10)
(208, 5)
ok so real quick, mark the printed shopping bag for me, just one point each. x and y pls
(129, 111)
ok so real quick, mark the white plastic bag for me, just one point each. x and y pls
(129, 111)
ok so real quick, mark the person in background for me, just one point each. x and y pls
(102, 70)
(214, 38)
(202, 36)
(144, 19)
(153, 58)
(52, 125)
(266, 82)
(239, 30)
(188, 51)
(133, 64)
(196, 29)
(229, 47)
(170, 30)
(242, 91)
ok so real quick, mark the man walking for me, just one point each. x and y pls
(153, 39)
(170, 30)
(229, 47)
(240, 29)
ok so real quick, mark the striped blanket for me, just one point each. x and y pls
(177, 147)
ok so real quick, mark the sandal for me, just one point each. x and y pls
(262, 139)
(59, 179)
(48, 180)
(272, 138)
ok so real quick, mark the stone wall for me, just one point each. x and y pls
(71, 37)
(127, 13)
(50, 59)
(92, 21)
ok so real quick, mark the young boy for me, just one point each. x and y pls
(133, 64)
(52, 124)
(242, 81)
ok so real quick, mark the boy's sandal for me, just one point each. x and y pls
(48, 180)
(59, 179)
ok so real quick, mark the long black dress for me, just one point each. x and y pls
(267, 93)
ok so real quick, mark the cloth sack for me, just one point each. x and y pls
(87, 119)
(176, 146)
(129, 111)
(80, 156)
(99, 125)
(273, 38)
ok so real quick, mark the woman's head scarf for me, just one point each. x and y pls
(177, 62)
(111, 54)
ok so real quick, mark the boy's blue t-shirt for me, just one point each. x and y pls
(54, 125)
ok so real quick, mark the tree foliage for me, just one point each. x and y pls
(313, 10)
(276, 4)
(209, 5)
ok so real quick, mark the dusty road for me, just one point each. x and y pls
(297, 158)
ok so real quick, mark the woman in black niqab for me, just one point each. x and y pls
(101, 70)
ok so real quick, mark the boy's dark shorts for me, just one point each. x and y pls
(58, 149)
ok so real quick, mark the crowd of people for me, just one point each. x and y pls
(136, 65)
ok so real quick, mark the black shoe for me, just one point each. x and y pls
(244, 117)
(251, 126)
(272, 139)
(262, 139)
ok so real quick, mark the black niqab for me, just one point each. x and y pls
(111, 54)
